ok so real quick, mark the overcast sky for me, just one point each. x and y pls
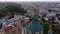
(28, 0)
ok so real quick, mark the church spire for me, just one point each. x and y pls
(35, 27)
(35, 11)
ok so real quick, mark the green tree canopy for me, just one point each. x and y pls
(12, 9)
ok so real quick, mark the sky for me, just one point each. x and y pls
(29, 0)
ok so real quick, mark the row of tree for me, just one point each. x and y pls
(55, 28)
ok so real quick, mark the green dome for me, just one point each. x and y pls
(35, 26)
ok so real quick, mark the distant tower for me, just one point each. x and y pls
(35, 27)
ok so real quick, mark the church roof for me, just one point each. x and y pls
(35, 26)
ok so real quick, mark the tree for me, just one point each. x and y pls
(12, 9)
